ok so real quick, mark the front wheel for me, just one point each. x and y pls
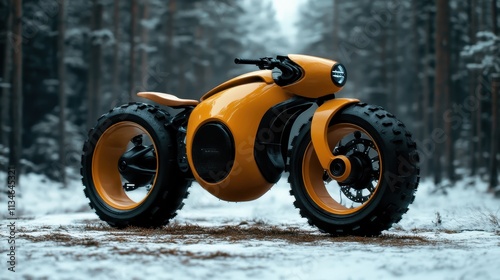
(383, 180)
(129, 167)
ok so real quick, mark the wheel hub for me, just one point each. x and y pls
(138, 166)
(358, 185)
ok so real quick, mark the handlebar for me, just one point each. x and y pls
(290, 72)
(246, 61)
(265, 63)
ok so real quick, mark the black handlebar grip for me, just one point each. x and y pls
(246, 61)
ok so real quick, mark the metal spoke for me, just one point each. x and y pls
(142, 170)
(367, 149)
(142, 152)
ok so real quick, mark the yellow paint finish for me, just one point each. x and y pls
(167, 99)
(109, 148)
(319, 129)
(313, 172)
(252, 77)
(316, 81)
(347, 171)
(241, 109)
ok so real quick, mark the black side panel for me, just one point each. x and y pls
(213, 152)
(271, 142)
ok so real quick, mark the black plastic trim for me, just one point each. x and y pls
(271, 142)
(213, 151)
(289, 72)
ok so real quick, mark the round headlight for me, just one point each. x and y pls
(339, 75)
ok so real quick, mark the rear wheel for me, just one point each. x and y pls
(383, 178)
(129, 167)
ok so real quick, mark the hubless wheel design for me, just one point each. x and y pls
(384, 173)
(129, 170)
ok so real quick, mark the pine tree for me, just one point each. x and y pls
(61, 70)
(16, 100)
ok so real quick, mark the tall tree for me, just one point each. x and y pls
(495, 135)
(335, 24)
(495, 130)
(132, 65)
(6, 83)
(94, 82)
(494, 18)
(16, 106)
(427, 84)
(394, 104)
(473, 142)
(441, 84)
(144, 44)
(116, 70)
(61, 72)
(169, 33)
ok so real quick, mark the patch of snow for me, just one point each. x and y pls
(460, 243)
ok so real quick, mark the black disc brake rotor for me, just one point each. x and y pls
(359, 187)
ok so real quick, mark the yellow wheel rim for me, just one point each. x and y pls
(108, 182)
(328, 194)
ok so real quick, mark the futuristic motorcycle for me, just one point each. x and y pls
(353, 167)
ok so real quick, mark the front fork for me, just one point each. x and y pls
(337, 167)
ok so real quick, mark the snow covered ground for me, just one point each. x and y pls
(453, 235)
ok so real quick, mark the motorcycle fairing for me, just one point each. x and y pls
(240, 108)
(264, 76)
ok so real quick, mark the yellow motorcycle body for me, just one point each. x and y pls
(240, 138)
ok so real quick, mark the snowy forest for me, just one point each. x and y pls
(434, 64)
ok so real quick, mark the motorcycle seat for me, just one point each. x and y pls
(168, 99)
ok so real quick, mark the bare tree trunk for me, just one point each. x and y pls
(336, 26)
(495, 130)
(428, 168)
(16, 101)
(94, 65)
(383, 69)
(133, 24)
(7, 67)
(448, 101)
(393, 100)
(494, 20)
(418, 94)
(473, 142)
(98, 62)
(144, 42)
(90, 76)
(478, 125)
(441, 85)
(172, 7)
(61, 72)
(493, 184)
(117, 98)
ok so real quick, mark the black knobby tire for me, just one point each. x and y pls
(102, 182)
(392, 187)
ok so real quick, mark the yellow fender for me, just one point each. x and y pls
(319, 135)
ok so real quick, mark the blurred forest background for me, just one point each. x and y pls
(435, 64)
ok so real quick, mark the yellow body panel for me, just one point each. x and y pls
(319, 129)
(316, 81)
(252, 77)
(241, 109)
